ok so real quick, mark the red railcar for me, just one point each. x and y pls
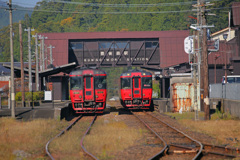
(136, 89)
(88, 90)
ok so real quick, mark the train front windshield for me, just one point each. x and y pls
(126, 83)
(147, 82)
(75, 83)
(100, 82)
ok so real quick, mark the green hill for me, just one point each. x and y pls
(17, 14)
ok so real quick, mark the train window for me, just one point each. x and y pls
(100, 82)
(125, 83)
(147, 82)
(88, 82)
(75, 83)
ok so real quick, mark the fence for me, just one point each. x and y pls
(225, 91)
(227, 96)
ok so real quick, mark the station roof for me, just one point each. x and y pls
(48, 72)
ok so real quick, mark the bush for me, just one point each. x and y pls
(40, 95)
(18, 96)
(30, 96)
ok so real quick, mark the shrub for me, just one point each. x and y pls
(29, 96)
(18, 96)
(41, 95)
(35, 96)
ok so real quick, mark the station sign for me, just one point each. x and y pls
(188, 45)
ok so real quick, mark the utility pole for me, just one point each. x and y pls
(29, 58)
(205, 62)
(51, 58)
(12, 95)
(22, 64)
(43, 59)
(199, 22)
(195, 77)
(37, 64)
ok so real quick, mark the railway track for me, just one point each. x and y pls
(220, 152)
(73, 122)
(209, 151)
(177, 145)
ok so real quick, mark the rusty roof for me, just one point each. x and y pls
(4, 84)
(227, 51)
(236, 13)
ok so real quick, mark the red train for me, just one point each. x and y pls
(88, 90)
(136, 89)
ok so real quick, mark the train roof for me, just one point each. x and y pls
(80, 71)
(134, 71)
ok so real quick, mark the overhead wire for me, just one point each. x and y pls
(118, 5)
(129, 5)
(125, 5)
(96, 12)
(110, 12)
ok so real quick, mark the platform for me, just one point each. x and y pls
(45, 110)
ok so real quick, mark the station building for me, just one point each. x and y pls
(159, 51)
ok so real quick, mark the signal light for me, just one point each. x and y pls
(191, 59)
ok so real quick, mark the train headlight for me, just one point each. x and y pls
(96, 96)
(143, 94)
(129, 95)
(80, 96)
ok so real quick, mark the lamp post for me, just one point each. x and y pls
(225, 38)
(215, 67)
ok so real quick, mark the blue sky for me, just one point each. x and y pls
(24, 3)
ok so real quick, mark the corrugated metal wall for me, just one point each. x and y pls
(183, 97)
(218, 91)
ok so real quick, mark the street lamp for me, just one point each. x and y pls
(215, 67)
(225, 38)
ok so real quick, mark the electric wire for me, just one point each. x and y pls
(119, 5)
(97, 12)
(110, 12)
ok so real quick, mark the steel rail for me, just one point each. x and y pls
(237, 150)
(200, 144)
(209, 147)
(61, 133)
(158, 155)
(219, 154)
(87, 131)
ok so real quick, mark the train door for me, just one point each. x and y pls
(88, 88)
(136, 87)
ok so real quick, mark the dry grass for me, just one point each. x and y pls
(68, 145)
(185, 115)
(26, 139)
(223, 127)
(109, 137)
(224, 131)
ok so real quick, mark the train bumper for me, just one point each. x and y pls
(89, 107)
